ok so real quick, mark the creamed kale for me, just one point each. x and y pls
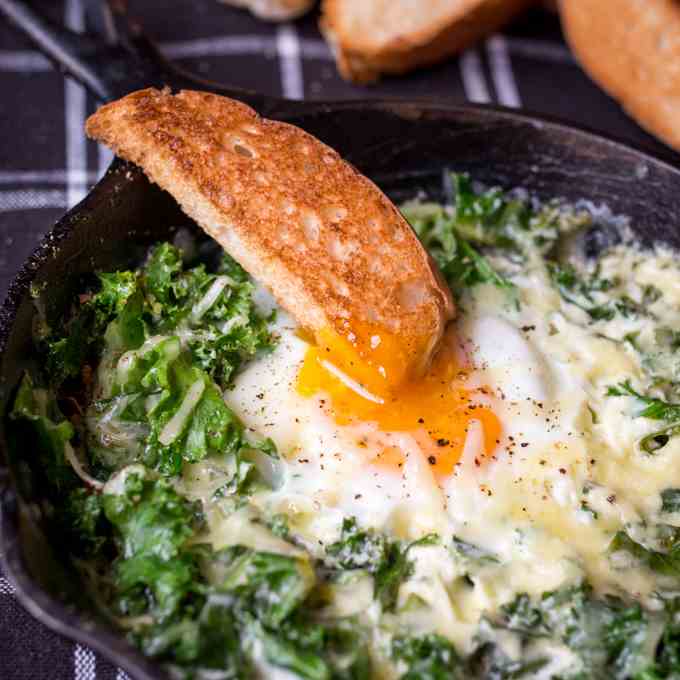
(127, 410)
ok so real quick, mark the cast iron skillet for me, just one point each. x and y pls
(402, 145)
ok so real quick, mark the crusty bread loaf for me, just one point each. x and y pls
(632, 49)
(323, 238)
(274, 10)
(371, 37)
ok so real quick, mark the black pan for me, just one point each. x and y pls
(402, 145)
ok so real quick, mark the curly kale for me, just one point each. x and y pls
(609, 637)
(155, 569)
(461, 263)
(471, 224)
(430, 657)
(386, 560)
(251, 596)
(215, 312)
(170, 340)
(43, 423)
(654, 409)
(664, 561)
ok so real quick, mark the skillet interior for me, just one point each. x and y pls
(404, 148)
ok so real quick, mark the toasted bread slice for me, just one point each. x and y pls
(371, 37)
(324, 239)
(632, 50)
(274, 10)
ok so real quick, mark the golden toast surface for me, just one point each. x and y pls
(632, 50)
(374, 37)
(323, 238)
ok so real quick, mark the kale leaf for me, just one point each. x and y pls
(473, 553)
(37, 408)
(653, 408)
(458, 234)
(155, 570)
(256, 595)
(449, 231)
(83, 523)
(386, 560)
(119, 299)
(666, 562)
(580, 289)
(160, 403)
(163, 412)
(491, 662)
(215, 312)
(609, 637)
(268, 585)
(670, 500)
(667, 662)
(429, 657)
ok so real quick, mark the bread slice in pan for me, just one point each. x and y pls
(323, 238)
(632, 49)
(274, 10)
(372, 37)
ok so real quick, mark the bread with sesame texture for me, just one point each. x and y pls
(330, 246)
(274, 10)
(374, 37)
(632, 50)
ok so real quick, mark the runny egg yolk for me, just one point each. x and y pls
(365, 379)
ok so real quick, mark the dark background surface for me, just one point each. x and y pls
(46, 165)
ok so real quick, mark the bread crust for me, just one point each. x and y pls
(362, 57)
(632, 50)
(323, 238)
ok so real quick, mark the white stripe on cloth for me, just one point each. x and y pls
(221, 46)
(44, 177)
(239, 45)
(32, 199)
(74, 116)
(472, 73)
(6, 588)
(290, 65)
(23, 61)
(540, 50)
(28, 61)
(501, 72)
(122, 675)
(84, 663)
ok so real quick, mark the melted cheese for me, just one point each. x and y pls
(544, 471)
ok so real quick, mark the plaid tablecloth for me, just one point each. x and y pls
(46, 165)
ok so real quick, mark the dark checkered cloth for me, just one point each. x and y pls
(46, 164)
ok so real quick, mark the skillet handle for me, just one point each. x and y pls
(118, 58)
